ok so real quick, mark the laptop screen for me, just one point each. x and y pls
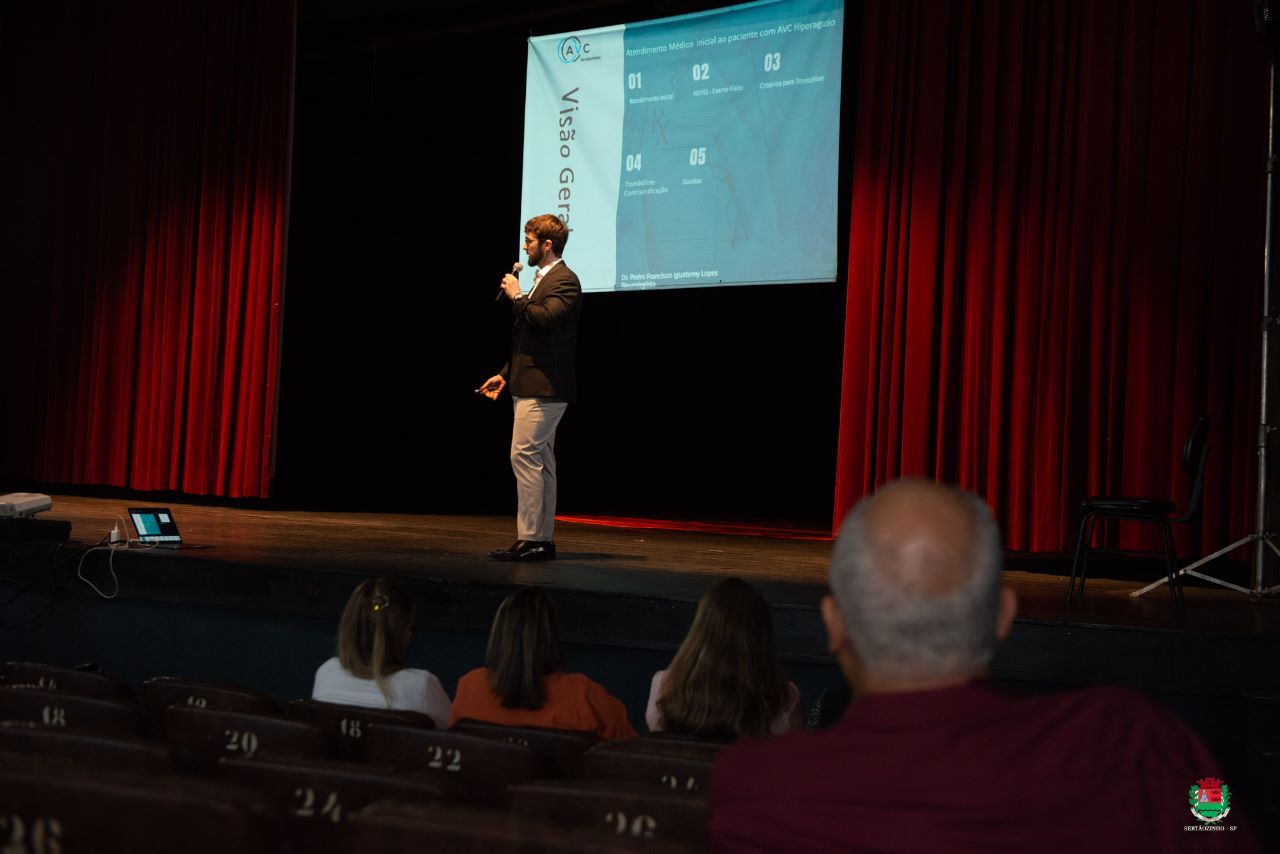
(155, 525)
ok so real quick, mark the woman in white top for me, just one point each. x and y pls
(369, 668)
(725, 681)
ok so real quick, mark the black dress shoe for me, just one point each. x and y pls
(528, 550)
(508, 554)
(536, 550)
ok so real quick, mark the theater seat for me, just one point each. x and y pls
(121, 753)
(345, 726)
(200, 737)
(86, 683)
(162, 692)
(469, 830)
(483, 767)
(66, 810)
(637, 810)
(669, 744)
(314, 797)
(564, 748)
(59, 710)
(621, 760)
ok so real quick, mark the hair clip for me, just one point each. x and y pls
(380, 602)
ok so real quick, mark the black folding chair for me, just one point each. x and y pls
(1158, 511)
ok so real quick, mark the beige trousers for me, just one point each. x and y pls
(533, 462)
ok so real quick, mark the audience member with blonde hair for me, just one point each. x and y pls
(522, 684)
(369, 669)
(725, 681)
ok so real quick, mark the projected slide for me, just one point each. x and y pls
(691, 151)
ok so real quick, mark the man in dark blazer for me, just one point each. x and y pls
(542, 382)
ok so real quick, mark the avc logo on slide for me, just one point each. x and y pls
(570, 49)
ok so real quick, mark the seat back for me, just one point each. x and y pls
(162, 692)
(483, 767)
(59, 710)
(1195, 454)
(67, 810)
(667, 744)
(86, 683)
(315, 797)
(121, 753)
(468, 830)
(345, 726)
(564, 748)
(200, 737)
(612, 761)
(635, 810)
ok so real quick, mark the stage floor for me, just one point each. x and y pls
(662, 564)
(620, 588)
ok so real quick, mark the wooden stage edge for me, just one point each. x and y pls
(637, 587)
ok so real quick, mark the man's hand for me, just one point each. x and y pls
(510, 286)
(495, 384)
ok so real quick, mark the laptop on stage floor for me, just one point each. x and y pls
(155, 527)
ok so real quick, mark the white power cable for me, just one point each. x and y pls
(111, 563)
(110, 566)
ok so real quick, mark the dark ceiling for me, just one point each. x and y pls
(329, 25)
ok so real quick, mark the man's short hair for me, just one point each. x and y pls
(549, 227)
(899, 627)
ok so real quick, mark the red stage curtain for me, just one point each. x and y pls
(1055, 255)
(145, 181)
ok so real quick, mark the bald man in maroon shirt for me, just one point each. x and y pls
(930, 755)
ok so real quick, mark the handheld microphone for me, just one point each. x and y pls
(515, 271)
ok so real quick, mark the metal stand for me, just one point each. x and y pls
(1261, 538)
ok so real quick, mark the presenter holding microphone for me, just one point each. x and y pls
(541, 380)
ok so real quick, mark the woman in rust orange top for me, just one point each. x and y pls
(522, 684)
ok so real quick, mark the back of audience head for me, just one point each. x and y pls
(725, 680)
(917, 600)
(524, 647)
(374, 632)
